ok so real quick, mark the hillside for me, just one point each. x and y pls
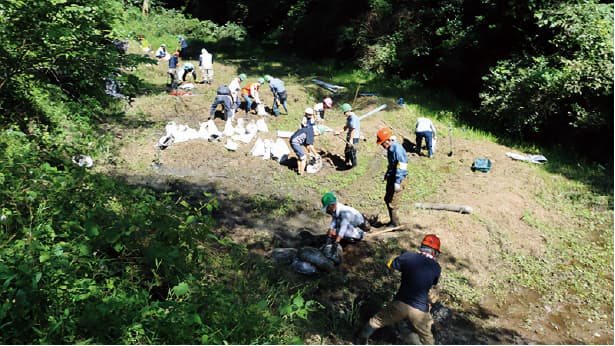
(508, 267)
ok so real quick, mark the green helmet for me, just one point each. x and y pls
(346, 107)
(267, 78)
(261, 81)
(328, 199)
(242, 77)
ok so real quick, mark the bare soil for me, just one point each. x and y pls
(265, 205)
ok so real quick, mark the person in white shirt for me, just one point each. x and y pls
(346, 222)
(206, 64)
(161, 53)
(235, 86)
(425, 129)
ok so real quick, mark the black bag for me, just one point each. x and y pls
(223, 90)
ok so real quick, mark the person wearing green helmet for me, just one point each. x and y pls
(346, 222)
(235, 87)
(353, 128)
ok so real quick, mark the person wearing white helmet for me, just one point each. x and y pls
(206, 64)
(320, 107)
(308, 119)
(161, 52)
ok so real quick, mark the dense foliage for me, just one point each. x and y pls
(85, 258)
(539, 70)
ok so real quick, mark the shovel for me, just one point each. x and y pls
(450, 136)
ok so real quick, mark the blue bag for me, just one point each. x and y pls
(481, 164)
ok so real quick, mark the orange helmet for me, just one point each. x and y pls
(382, 135)
(432, 241)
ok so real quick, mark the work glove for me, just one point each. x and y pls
(397, 187)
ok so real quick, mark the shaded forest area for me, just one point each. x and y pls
(538, 71)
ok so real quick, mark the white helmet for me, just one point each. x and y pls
(309, 111)
(203, 51)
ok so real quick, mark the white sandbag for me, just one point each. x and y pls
(184, 133)
(229, 130)
(279, 150)
(187, 86)
(83, 161)
(260, 109)
(170, 128)
(268, 145)
(433, 145)
(259, 148)
(239, 130)
(240, 122)
(284, 134)
(203, 133)
(251, 128)
(230, 145)
(245, 138)
(261, 125)
(213, 129)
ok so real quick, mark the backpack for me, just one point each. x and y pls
(223, 90)
(481, 164)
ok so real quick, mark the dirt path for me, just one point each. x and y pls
(265, 205)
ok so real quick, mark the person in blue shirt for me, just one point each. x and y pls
(279, 94)
(420, 271)
(223, 97)
(189, 69)
(173, 62)
(182, 45)
(397, 171)
(304, 137)
(353, 128)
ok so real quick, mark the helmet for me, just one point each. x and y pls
(382, 135)
(261, 81)
(203, 50)
(346, 107)
(242, 77)
(309, 111)
(328, 199)
(432, 241)
(328, 102)
(267, 78)
(163, 45)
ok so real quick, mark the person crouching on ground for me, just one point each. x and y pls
(420, 271)
(346, 222)
(304, 137)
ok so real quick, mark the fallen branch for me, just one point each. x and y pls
(391, 229)
(450, 207)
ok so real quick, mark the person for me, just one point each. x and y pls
(308, 118)
(161, 52)
(206, 64)
(223, 97)
(235, 87)
(279, 94)
(346, 222)
(173, 62)
(303, 137)
(181, 41)
(251, 92)
(395, 176)
(353, 128)
(420, 272)
(320, 107)
(425, 129)
(189, 69)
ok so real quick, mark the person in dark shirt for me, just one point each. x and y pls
(420, 271)
(304, 137)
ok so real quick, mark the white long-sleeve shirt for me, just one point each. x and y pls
(346, 221)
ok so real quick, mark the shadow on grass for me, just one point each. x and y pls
(350, 295)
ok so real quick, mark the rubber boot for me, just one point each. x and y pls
(393, 217)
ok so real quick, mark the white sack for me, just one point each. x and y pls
(259, 148)
(280, 150)
(261, 125)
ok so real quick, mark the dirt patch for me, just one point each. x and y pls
(500, 199)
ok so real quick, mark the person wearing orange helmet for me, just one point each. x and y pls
(397, 171)
(420, 272)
